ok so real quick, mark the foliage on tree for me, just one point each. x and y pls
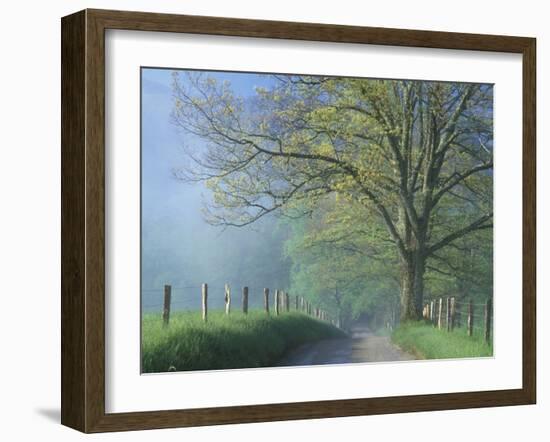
(386, 167)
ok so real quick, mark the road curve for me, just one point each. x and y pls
(362, 346)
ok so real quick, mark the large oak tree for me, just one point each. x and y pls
(415, 155)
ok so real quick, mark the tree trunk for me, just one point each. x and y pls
(420, 269)
(412, 286)
(407, 297)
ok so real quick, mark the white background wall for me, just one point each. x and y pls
(30, 216)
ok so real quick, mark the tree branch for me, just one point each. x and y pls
(478, 224)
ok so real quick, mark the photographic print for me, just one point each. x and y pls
(292, 202)
(298, 220)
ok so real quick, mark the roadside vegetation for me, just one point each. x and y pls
(224, 342)
(427, 342)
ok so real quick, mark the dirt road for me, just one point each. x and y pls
(362, 346)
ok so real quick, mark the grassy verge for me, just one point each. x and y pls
(237, 341)
(427, 342)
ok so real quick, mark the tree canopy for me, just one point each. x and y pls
(387, 183)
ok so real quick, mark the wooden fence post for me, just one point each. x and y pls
(470, 318)
(276, 302)
(205, 302)
(227, 299)
(287, 302)
(453, 313)
(448, 316)
(266, 300)
(488, 308)
(245, 300)
(166, 307)
(432, 312)
(440, 314)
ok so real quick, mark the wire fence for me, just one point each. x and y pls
(189, 298)
(444, 313)
(450, 314)
(205, 298)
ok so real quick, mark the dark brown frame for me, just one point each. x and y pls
(83, 217)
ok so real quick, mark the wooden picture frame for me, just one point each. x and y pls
(83, 220)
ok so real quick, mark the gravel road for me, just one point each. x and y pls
(362, 346)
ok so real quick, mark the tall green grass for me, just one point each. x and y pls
(427, 342)
(235, 341)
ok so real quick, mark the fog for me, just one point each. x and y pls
(177, 246)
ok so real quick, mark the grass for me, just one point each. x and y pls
(237, 341)
(427, 342)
